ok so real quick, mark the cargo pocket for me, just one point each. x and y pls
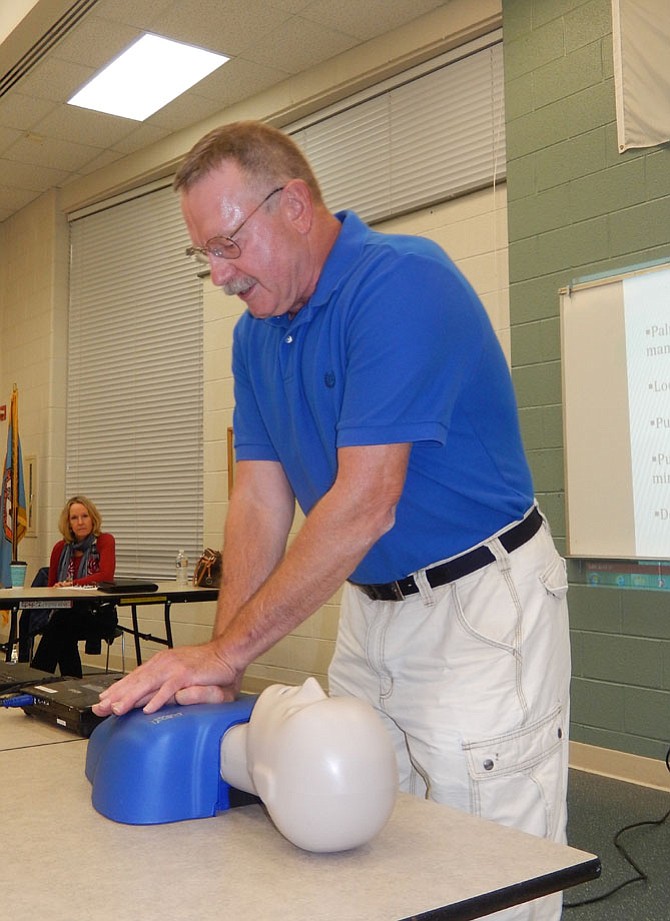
(555, 578)
(519, 778)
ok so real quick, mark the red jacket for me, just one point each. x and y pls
(107, 550)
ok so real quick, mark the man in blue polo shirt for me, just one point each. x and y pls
(370, 386)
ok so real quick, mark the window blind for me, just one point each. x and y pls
(134, 440)
(431, 137)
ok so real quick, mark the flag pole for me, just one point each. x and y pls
(13, 503)
(15, 471)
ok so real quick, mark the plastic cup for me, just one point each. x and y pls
(17, 572)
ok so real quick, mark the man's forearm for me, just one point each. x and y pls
(314, 567)
(334, 538)
(254, 542)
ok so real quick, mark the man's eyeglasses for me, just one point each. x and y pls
(226, 247)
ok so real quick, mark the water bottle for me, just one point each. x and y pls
(181, 564)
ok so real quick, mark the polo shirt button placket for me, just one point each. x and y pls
(287, 356)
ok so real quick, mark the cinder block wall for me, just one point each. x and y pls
(577, 207)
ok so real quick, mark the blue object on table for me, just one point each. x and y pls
(149, 769)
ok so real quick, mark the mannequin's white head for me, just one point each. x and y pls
(324, 767)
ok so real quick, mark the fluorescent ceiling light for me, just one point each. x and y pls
(149, 74)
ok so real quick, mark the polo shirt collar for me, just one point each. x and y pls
(343, 255)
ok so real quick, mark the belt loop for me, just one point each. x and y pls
(503, 561)
(545, 523)
(397, 591)
(425, 588)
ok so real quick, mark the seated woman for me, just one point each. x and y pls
(84, 556)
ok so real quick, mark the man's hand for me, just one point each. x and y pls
(187, 675)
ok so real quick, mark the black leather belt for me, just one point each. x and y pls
(458, 567)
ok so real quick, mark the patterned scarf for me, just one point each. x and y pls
(89, 562)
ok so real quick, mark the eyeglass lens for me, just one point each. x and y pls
(226, 247)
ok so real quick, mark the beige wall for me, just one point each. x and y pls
(33, 329)
(34, 295)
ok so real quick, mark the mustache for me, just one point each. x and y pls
(238, 285)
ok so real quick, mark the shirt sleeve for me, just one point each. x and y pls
(54, 560)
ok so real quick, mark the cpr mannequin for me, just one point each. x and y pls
(324, 767)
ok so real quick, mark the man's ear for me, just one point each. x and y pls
(298, 205)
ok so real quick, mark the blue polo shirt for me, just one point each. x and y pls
(393, 346)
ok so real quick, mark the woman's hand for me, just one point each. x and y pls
(187, 675)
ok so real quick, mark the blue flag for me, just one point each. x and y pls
(14, 519)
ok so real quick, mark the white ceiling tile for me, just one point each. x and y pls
(290, 6)
(299, 44)
(18, 110)
(28, 176)
(172, 116)
(55, 79)
(14, 199)
(52, 152)
(142, 136)
(369, 19)
(95, 42)
(8, 136)
(67, 122)
(224, 27)
(142, 14)
(238, 79)
(105, 158)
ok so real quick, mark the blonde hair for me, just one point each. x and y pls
(265, 154)
(64, 520)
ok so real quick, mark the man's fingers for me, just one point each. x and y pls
(134, 690)
(208, 694)
(111, 707)
(186, 675)
(164, 695)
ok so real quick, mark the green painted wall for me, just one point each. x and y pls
(577, 207)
